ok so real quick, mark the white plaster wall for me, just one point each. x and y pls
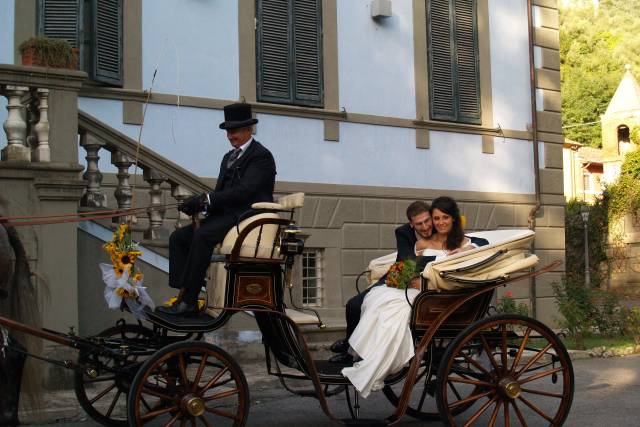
(376, 60)
(510, 84)
(386, 156)
(6, 53)
(194, 44)
(7, 13)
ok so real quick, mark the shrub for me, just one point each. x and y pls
(630, 323)
(49, 52)
(507, 305)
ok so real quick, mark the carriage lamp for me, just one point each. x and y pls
(291, 245)
(584, 213)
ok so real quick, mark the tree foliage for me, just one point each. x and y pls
(595, 44)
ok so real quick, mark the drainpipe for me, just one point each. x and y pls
(536, 154)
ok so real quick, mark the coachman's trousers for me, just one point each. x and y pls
(190, 253)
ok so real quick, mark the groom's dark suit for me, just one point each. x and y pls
(250, 179)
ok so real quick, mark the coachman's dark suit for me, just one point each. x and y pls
(249, 180)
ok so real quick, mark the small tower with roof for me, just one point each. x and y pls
(622, 115)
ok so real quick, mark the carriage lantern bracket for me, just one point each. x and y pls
(291, 245)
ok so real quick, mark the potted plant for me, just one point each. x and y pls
(48, 52)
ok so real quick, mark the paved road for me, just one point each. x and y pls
(607, 394)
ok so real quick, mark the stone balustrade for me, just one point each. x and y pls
(98, 140)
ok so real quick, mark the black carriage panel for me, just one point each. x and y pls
(254, 286)
(429, 305)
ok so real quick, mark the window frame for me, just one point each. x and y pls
(456, 115)
(296, 95)
(318, 277)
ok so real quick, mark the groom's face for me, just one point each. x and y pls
(422, 224)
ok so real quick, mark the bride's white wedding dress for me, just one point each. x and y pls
(382, 338)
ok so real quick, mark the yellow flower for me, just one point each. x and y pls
(463, 221)
(124, 228)
(137, 277)
(123, 293)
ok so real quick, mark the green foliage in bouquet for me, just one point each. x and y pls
(401, 274)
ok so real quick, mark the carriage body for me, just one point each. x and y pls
(468, 367)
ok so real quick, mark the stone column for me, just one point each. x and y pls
(156, 216)
(15, 126)
(43, 151)
(123, 191)
(93, 196)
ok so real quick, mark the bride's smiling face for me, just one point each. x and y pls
(442, 221)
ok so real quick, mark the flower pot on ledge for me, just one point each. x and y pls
(46, 52)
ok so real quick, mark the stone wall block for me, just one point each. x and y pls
(370, 255)
(547, 37)
(325, 211)
(503, 216)
(549, 121)
(521, 215)
(551, 100)
(347, 210)
(548, 17)
(519, 289)
(555, 215)
(401, 210)
(548, 311)
(549, 238)
(352, 261)
(551, 181)
(348, 288)
(379, 210)
(548, 256)
(484, 216)
(308, 212)
(470, 212)
(388, 236)
(360, 236)
(548, 79)
(550, 59)
(553, 155)
(544, 284)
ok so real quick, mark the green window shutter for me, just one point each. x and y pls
(289, 52)
(441, 60)
(107, 41)
(59, 19)
(454, 80)
(307, 52)
(273, 50)
(467, 60)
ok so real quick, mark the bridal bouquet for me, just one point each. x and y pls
(122, 279)
(401, 273)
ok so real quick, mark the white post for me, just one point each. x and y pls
(43, 151)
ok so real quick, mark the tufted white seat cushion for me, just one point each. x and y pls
(249, 245)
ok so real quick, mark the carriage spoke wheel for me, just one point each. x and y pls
(505, 370)
(189, 383)
(101, 392)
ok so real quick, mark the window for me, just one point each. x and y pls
(312, 269)
(454, 80)
(94, 27)
(289, 52)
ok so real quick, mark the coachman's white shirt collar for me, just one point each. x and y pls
(244, 147)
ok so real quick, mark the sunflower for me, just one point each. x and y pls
(137, 277)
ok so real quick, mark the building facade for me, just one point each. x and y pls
(364, 111)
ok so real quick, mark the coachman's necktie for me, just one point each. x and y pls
(234, 156)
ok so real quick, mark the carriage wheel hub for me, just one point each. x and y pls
(510, 388)
(193, 405)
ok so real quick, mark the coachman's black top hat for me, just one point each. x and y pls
(237, 115)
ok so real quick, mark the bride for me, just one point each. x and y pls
(382, 339)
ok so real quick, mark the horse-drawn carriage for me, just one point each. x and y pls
(470, 366)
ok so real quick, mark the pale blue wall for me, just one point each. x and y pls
(194, 43)
(6, 53)
(376, 60)
(511, 90)
(7, 11)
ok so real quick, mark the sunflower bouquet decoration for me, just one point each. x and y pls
(122, 279)
(401, 273)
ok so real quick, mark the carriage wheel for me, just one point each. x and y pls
(189, 383)
(101, 393)
(510, 367)
(422, 404)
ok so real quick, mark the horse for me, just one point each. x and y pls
(18, 301)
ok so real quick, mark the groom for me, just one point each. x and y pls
(418, 227)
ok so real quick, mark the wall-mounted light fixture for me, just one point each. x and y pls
(380, 9)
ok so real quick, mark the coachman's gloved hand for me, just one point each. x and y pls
(193, 204)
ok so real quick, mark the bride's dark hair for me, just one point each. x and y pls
(450, 207)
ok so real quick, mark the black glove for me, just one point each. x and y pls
(193, 204)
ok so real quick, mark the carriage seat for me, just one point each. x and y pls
(250, 246)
